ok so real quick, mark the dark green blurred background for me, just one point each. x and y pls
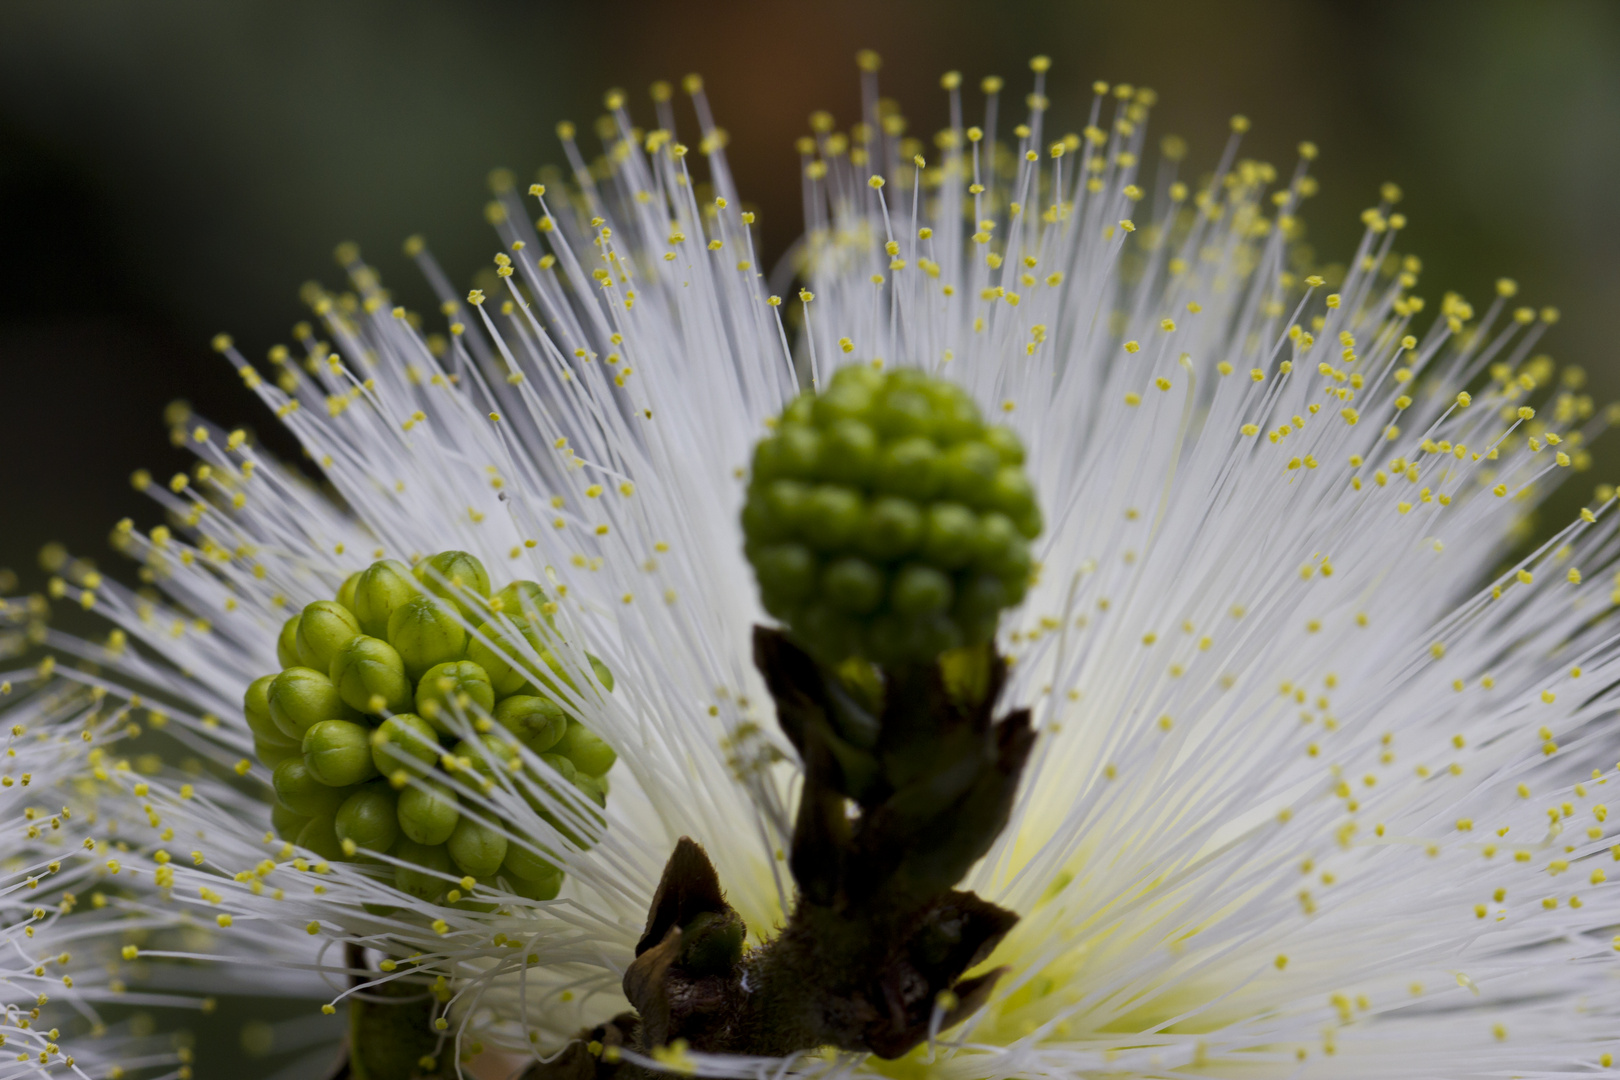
(169, 170)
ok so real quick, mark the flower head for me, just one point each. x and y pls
(1319, 778)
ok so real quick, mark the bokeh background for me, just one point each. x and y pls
(170, 170)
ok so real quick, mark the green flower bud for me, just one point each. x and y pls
(298, 790)
(320, 836)
(849, 453)
(459, 578)
(790, 454)
(787, 576)
(338, 753)
(565, 768)
(458, 688)
(404, 741)
(287, 643)
(1005, 443)
(380, 590)
(301, 697)
(425, 631)
(484, 754)
(273, 754)
(585, 749)
(526, 598)
(833, 515)
(545, 887)
(909, 468)
(370, 676)
(345, 593)
(553, 676)
(852, 585)
(969, 471)
(286, 823)
(419, 872)
(369, 818)
(522, 862)
(536, 722)
(950, 535)
(920, 590)
(1011, 493)
(504, 655)
(256, 708)
(428, 813)
(894, 527)
(594, 787)
(477, 849)
(325, 628)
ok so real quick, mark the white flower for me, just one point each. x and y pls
(1320, 784)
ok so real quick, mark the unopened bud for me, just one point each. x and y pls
(459, 578)
(370, 676)
(404, 741)
(381, 589)
(301, 697)
(338, 753)
(326, 626)
(457, 688)
(476, 849)
(536, 722)
(369, 818)
(425, 631)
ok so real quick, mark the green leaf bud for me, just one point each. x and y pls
(325, 628)
(458, 688)
(420, 869)
(498, 651)
(424, 631)
(852, 585)
(382, 587)
(338, 753)
(920, 590)
(949, 535)
(894, 527)
(404, 741)
(428, 812)
(320, 836)
(256, 708)
(370, 676)
(459, 578)
(529, 865)
(369, 818)
(585, 749)
(300, 697)
(526, 598)
(545, 887)
(345, 593)
(477, 849)
(833, 515)
(536, 722)
(287, 643)
(286, 823)
(298, 790)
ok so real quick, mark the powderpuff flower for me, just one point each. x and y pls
(1319, 785)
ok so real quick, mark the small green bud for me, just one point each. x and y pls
(459, 578)
(325, 628)
(424, 870)
(950, 535)
(852, 585)
(787, 575)
(526, 598)
(345, 593)
(298, 790)
(833, 515)
(522, 862)
(320, 836)
(485, 753)
(256, 708)
(428, 813)
(545, 887)
(287, 643)
(564, 768)
(909, 468)
(458, 688)
(370, 818)
(286, 824)
(969, 469)
(425, 631)
(380, 590)
(476, 849)
(404, 741)
(536, 722)
(1008, 445)
(553, 675)
(370, 676)
(594, 787)
(338, 753)
(300, 697)
(274, 753)
(920, 590)
(894, 527)
(585, 749)
(504, 654)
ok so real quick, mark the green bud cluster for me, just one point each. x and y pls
(368, 712)
(886, 520)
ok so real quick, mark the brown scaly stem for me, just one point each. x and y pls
(878, 935)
